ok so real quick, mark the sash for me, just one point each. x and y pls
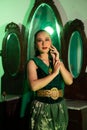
(41, 64)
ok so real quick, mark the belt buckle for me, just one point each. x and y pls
(54, 93)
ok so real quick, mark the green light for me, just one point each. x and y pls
(49, 30)
(58, 29)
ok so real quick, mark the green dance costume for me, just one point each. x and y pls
(46, 113)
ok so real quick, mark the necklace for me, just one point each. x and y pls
(50, 70)
(50, 66)
(48, 62)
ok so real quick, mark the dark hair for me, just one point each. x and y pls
(35, 36)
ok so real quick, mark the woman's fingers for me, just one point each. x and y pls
(54, 50)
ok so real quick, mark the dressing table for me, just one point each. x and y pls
(10, 112)
(74, 54)
(77, 114)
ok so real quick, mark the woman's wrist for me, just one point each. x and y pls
(57, 56)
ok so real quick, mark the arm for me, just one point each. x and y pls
(67, 77)
(36, 83)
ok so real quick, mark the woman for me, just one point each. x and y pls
(47, 75)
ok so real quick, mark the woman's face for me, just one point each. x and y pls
(43, 42)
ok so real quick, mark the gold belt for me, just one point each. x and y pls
(54, 93)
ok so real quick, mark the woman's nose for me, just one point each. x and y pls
(42, 42)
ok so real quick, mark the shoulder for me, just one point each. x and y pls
(31, 63)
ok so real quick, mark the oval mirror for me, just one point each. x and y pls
(43, 17)
(11, 54)
(75, 54)
(74, 48)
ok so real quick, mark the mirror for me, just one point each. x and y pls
(12, 54)
(13, 59)
(74, 48)
(44, 17)
(75, 54)
(11, 49)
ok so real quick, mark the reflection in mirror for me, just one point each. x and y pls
(11, 50)
(13, 53)
(43, 18)
(75, 54)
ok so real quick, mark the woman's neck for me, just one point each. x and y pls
(44, 58)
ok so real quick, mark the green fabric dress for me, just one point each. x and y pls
(46, 113)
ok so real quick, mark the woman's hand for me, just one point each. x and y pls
(54, 53)
(56, 67)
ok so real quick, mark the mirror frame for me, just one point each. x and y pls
(69, 28)
(52, 6)
(13, 28)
